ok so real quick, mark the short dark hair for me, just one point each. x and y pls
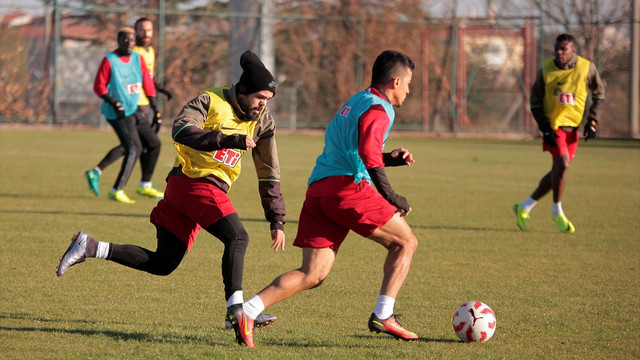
(389, 65)
(566, 37)
(140, 21)
(124, 31)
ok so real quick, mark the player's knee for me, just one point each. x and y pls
(314, 281)
(165, 268)
(240, 240)
(405, 242)
(412, 243)
(154, 144)
(317, 284)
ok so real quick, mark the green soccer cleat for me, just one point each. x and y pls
(120, 196)
(151, 192)
(564, 224)
(93, 178)
(522, 215)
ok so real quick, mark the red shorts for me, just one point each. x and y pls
(567, 143)
(188, 205)
(335, 205)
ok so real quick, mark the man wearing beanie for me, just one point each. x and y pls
(211, 134)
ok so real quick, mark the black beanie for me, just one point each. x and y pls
(255, 77)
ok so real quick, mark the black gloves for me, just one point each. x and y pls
(389, 160)
(548, 135)
(234, 141)
(117, 105)
(379, 179)
(549, 138)
(157, 122)
(119, 110)
(590, 130)
(157, 115)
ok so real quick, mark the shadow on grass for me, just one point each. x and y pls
(305, 343)
(84, 213)
(389, 338)
(115, 334)
(64, 212)
(43, 196)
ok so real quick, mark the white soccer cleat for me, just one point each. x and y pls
(75, 253)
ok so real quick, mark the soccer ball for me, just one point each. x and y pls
(474, 321)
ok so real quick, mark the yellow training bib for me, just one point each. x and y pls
(565, 93)
(224, 164)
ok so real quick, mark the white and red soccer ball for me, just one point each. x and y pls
(474, 321)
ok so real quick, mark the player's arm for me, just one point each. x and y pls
(161, 88)
(265, 159)
(536, 103)
(147, 80)
(595, 84)
(187, 129)
(150, 91)
(372, 127)
(103, 76)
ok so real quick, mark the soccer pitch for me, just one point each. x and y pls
(555, 296)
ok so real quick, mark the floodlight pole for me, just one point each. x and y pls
(161, 31)
(634, 98)
(56, 55)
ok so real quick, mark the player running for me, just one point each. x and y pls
(340, 198)
(211, 134)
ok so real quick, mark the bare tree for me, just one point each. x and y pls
(327, 53)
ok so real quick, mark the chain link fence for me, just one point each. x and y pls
(473, 74)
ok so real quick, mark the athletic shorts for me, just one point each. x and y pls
(189, 205)
(335, 205)
(567, 143)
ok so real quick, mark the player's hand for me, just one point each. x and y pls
(403, 154)
(405, 213)
(119, 110)
(157, 121)
(278, 238)
(550, 138)
(591, 130)
(250, 143)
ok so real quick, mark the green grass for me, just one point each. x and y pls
(556, 296)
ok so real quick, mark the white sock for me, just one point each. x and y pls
(102, 251)
(235, 298)
(384, 307)
(98, 170)
(253, 307)
(528, 204)
(145, 184)
(557, 209)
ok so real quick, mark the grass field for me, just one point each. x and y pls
(556, 296)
